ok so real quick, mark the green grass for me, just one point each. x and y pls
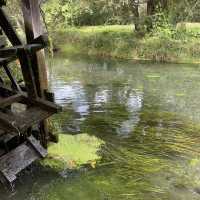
(188, 26)
(108, 28)
(121, 41)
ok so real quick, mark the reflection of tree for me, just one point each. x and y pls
(110, 105)
(104, 90)
(108, 90)
(105, 123)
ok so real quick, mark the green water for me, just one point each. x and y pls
(145, 115)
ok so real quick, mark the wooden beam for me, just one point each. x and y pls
(14, 51)
(28, 23)
(8, 122)
(23, 55)
(32, 116)
(36, 145)
(46, 105)
(14, 83)
(9, 100)
(42, 103)
(18, 159)
(7, 60)
(19, 123)
(42, 39)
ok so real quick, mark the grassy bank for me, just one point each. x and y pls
(121, 42)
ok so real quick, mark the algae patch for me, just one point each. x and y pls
(73, 151)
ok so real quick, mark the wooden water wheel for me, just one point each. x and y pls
(24, 108)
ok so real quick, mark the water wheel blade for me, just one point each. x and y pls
(20, 158)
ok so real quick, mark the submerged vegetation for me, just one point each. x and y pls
(141, 133)
(156, 158)
(129, 130)
(73, 151)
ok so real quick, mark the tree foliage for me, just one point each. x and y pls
(101, 12)
(143, 13)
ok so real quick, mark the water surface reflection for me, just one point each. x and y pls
(148, 118)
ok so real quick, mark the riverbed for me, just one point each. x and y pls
(129, 130)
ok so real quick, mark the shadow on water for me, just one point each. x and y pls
(131, 128)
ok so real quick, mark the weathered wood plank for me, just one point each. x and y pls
(46, 105)
(8, 122)
(41, 39)
(32, 116)
(19, 123)
(36, 145)
(9, 100)
(14, 162)
(18, 159)
(13, 51)
(28, 23)
(43, 104)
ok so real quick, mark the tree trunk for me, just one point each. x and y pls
(151, 7)
(134, 4)
(165, 5)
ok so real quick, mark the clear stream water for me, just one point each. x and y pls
(148, 116)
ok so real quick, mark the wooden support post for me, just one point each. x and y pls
(33, 29)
